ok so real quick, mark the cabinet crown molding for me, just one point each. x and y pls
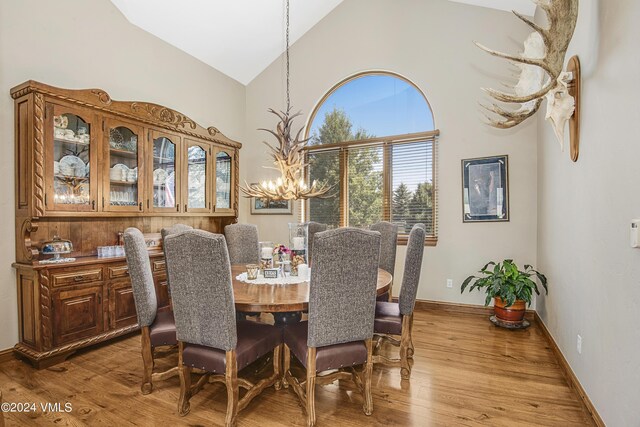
(149, 113)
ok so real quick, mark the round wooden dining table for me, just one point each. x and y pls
(285, 302)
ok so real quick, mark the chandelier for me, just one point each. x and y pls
(288, 157)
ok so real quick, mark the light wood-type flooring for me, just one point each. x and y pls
(467, 372)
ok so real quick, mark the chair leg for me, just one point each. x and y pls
(231, 381)
(277, 366)
(311, 387)
(391, 291)
(185, 384)
(147, 361)
(405, 343)
(286, 364)
(367, 407)
(411, 349)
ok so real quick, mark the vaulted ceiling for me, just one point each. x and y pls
(242, 37)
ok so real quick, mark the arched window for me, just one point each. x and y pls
(373, 138)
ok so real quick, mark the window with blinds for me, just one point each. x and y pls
(392, 180)
(373, 138)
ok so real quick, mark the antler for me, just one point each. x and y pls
(289, 160)
(545, 49)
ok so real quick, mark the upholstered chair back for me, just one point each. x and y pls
(176, 228)
(412, 268)
(200, 275)
(144, 292)
(342, 289)
(313, 228)
(242, 242)
(388, 243)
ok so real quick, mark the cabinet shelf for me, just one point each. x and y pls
(71, 141)
(116, 182)
(123, 153)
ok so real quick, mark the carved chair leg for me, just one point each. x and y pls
(367, 407)
(185, 384)
(231, 380)
(411, 349)
(405, 342)
(277, 366)
(147, 361)
(311, 387)
(286, 365)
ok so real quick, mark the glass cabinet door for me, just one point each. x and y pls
(224, 181)
(70, 160)
(198, 178)
(165, 177)
(122, 176)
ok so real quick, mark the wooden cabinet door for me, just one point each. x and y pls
(122, 307)
(71, 159)
(77, 314)
(162, 292)
(224, 172)
(122, 167)
(163, 173)
(196, 177)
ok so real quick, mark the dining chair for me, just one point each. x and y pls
(208, 337)
(388, 245)
(338, 335)
(313, 228)
(175, 228)
(242, 242)
(396, 318)
(158, 327)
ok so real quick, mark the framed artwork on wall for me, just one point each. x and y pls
(271, 207)
(485, 189)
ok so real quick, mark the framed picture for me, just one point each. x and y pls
(271, 207)
(485, 189)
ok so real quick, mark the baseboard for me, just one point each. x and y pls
(569, 374)
(454, 307)
(6, 355)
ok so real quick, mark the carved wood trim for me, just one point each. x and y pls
(45, 310)
(38, 155)
(28, 227)
(148, 113)
(236, 177)
(41, 355)
(163, 114)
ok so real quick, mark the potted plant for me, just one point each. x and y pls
(510, 288)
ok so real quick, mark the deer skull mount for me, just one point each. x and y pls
(540, 75)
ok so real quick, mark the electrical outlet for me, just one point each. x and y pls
(579, 344)
(449, 283)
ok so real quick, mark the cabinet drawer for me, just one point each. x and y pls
(117, 272)
(159, 265)
(76, 276)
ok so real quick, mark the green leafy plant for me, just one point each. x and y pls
(506, 281)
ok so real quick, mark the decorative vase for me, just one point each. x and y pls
(266, 255)
(513, 314)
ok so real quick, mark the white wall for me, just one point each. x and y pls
(429, 42)
(82, 44)
(584, 212)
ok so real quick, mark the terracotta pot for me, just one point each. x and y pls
(513, 314)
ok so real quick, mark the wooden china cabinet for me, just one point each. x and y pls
(87, 167)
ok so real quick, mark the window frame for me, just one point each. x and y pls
(386, 142)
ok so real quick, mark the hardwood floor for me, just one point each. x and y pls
(467, 372)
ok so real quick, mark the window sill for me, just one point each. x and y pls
(428, 241)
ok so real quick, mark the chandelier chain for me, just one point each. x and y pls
(287, 55)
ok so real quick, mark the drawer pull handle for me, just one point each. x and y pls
(79, 278)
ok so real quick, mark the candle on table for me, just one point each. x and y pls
(298, 243)
(267, 253)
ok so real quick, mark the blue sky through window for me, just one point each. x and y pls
(380, 104)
